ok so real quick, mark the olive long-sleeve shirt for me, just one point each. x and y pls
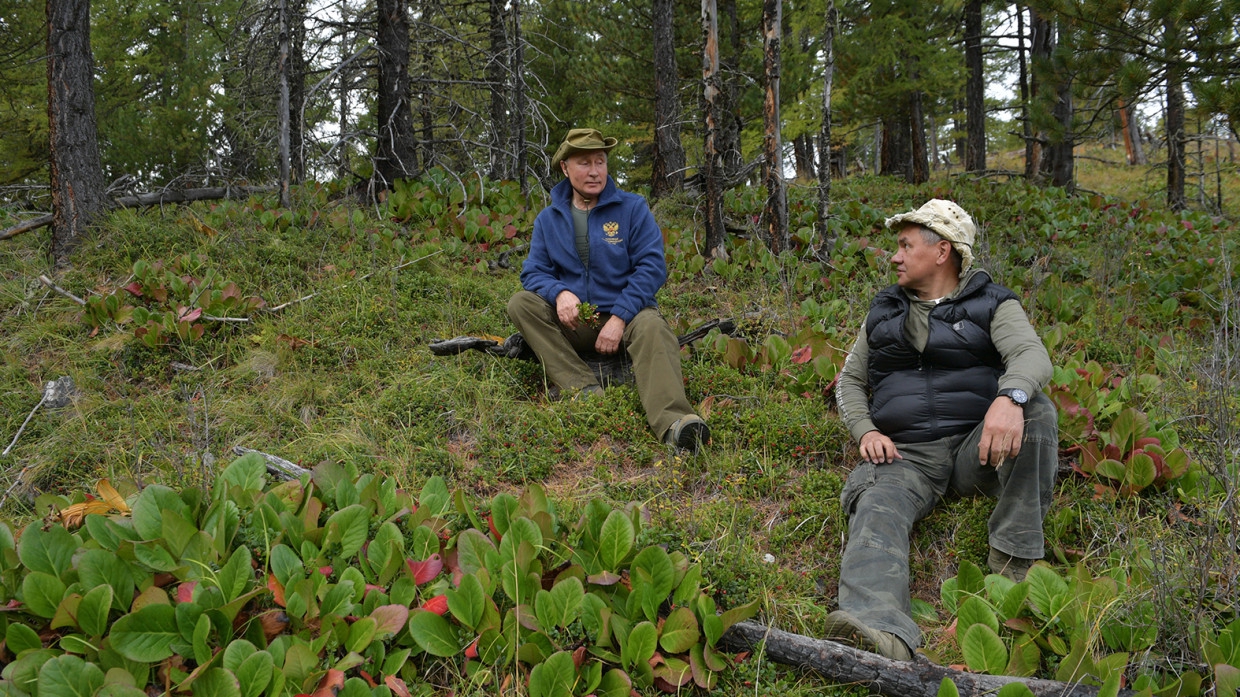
(1027, 366)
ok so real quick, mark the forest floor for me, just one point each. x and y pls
(1141, 299)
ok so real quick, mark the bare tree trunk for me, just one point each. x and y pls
(1132, 134)
(1176, 200)
(78, 190)
(803, 152)
(975, 88)
(919, 167)
(497, 72)
(826, 240)
(1026, 125)
(776, 210)
(282, 69)
(712, 163)
(1061, 148)
(396, 154)
(297, 91)
(960, 130)
(668, 173)
(729, 113)
(1043, 43)
(518, 98)
(897, 158)
(342, 146)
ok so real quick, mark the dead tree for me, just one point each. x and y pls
(78, 189)
(712, 163)
(776, 210)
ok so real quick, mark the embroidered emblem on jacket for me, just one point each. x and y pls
(611, 230)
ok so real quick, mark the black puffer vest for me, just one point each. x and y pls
(946, 389)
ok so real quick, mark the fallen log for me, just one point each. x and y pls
(277, 466)
(156, 198)
(846, 665)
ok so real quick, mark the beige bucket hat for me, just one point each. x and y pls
(580, 140)
(948, 220)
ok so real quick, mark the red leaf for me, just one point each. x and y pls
(437, 605)
(396, 685)
(424, 571)
(135, 289)
(325, 570)
(331, 684)
(471, 651)
(185, 592)
(510, 231)
(187, 315)
(802, 355)
(494, 532)
(277, 590)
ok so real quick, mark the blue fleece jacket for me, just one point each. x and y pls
(627, 266)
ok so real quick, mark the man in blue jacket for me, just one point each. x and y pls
(599, 245)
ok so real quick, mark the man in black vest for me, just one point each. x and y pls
(943, 392)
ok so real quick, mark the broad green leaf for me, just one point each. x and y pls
(467, 602)
(520, 586)
(178, 533)
(503, 509)
(202, 633)
(93, 610)
(153, 556)
(148, 511)
(361, 634)
(554, 677)
(969, 578)
(118, 690)
(471, 550)
(254, 673)
(651, 575)
(739, 613)
(216, 682)
(235, 574)
(1014, 600)
(349, 526)
(1078, 663)
(521, 530)
(97, 567)
(1044, 586)
(640, 646)
(387, 542)
(1141, 471)
(615, 540)
(949, 593)
(146, 635)
(615, 683)
(18, 637)
(46, 551)
(435, 497)
(947, 688)
(434, 634)
(423, 543)
(1015, 689)
(1226, 679)
(285, 563)
(42, 593)
(689, 587)
(236, 652)
(560, 606)
(674, 671)
(69, 676)
(390, 619)
(680, 631)
(973, 611)
(984, 651)
(338, 601)
(248, 472)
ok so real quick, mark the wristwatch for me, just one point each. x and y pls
(1017, 395)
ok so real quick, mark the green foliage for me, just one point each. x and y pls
(355, 576)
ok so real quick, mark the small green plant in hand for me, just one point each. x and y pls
(587, 314)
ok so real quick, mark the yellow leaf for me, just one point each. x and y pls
(113, 497)
(73, 515)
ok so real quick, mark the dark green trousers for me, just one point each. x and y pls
(649, 341)
(883, 502)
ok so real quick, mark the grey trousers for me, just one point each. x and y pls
(649, 341)
(883, 501)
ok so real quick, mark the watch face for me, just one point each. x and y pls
(1018, 395)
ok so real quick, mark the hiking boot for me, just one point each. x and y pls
(1008, 566)
(689, 433)
(846, 629)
